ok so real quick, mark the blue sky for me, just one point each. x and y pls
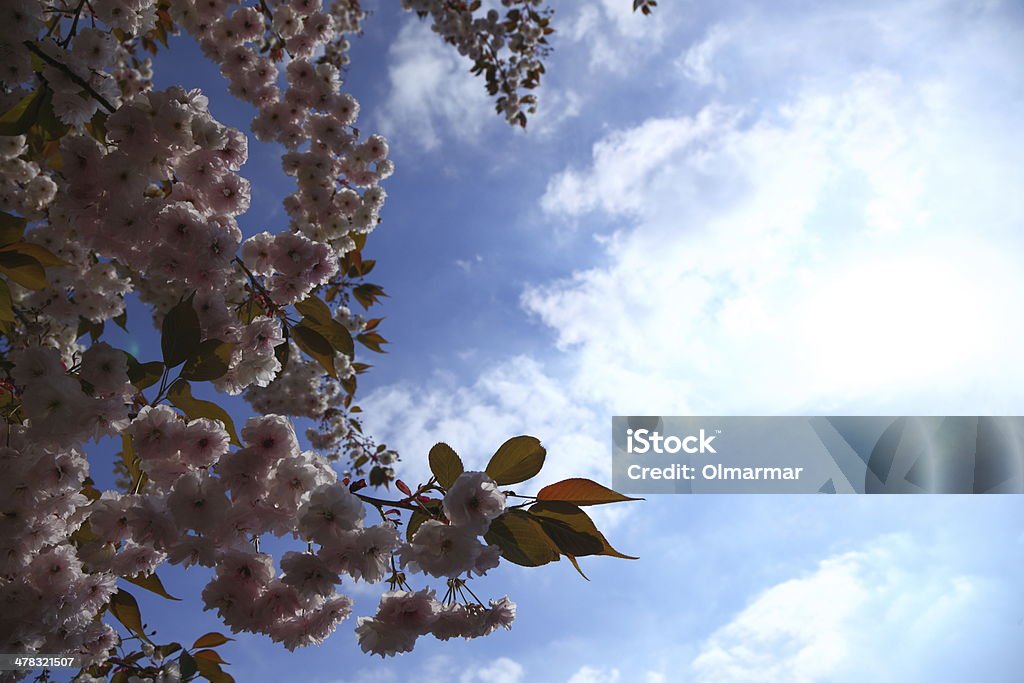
(726, 208)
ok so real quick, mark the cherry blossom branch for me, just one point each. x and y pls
(63, 68)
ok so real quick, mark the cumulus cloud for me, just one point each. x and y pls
(517, 396)
(501, 670)
(431, 92)
(589, 674)
(697, 63)
(852, 247)
(877, 613)
(615, 38)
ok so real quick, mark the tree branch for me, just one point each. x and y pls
(63, 68)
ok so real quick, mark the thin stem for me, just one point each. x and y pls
(74, 25)
(389, 503)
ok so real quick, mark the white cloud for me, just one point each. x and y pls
(624, 163)
(697, 62)
(588, 674)
(501, 670)
(854, 248)
(615, 38)
(839, 621)
(514, 397)
(432, 94)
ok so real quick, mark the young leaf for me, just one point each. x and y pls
(314, 344)
(566, 517)
(416, 520)
(41, 254)
(314, 309)
(126, 609)
(180, 395)
(445, 464)
(211, 639)
(187, 666)
(281, 353)
(144, 375)
(152, 583)
(180, 333)
(372, 341)
(24, 269)
(581, 492)
(334, 332)
(6, 305)
(521, 539)
(131, 462)
(19, 118)
(168, 649)
(210, 655)
(518, 459)
(576, 566)
(210, 361)
(12, 228)
(211, 671)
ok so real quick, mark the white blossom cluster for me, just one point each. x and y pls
(132, 190)
(311, 116)
(23, 187)
(199, 507)
(49, 599)
(443, 550)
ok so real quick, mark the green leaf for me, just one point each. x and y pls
(90, 491)
(152, 583)
(568, 540)
(210, 361)
(180, 333)
(131, 463)
(124, 607)
(334, 332)
(445, 464)
(315, 309)
(144, 375)
(281, 352)
(521, 539)
(314, 344)
(97, 127)
(94, 330)
(372, 341)
(23, 269)
(122, 320)
(379, 476)
(209, 655)
(6, 305)
(22, 115)
(168, 649)
(518, 459)
(180, 394)
(568, 517)
(211, 639)
(39, 253)
(12, 228)
(187, 666)
(581, 492)
(416, 520)
(211, 671)
(576, 566)
(47, 119)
